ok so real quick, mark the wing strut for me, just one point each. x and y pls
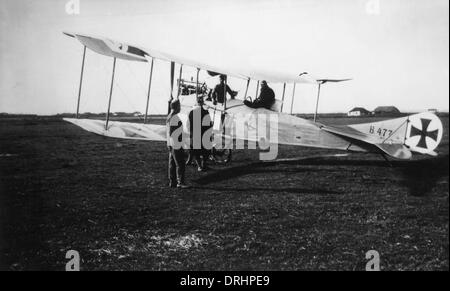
(172, 73)
(257, 88)
(110, 94)
(317, 101)
(148, 93)
(179, 81)
(225, 93)
(246, 89)
(292, 101)
(196, 84)
(81, 82)
(282, 98)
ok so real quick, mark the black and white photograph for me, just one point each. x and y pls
(234, 137)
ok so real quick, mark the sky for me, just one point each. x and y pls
(396, 51)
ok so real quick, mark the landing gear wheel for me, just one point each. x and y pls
(221, 156)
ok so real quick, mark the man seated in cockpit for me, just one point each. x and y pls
(219, 94)
(265, 100)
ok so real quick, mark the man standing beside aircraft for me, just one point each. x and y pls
(265, 100)
(199, 124)
(174, 128)
(219, 93)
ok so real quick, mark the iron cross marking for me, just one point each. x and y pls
(424, 133)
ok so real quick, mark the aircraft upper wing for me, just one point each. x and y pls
(129, 52)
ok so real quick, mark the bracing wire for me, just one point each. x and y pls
(117, 84)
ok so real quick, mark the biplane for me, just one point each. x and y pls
(398, 138)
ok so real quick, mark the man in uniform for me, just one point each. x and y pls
(200, 123)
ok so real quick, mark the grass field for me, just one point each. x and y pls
(62, 188)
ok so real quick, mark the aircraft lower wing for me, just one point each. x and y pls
(155, 132)
(126, 130)
(396, 150)
(397, 138)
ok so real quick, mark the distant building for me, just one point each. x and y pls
(386, 110)
(358, 111)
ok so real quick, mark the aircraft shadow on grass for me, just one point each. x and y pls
(421, 176)
(418, 176)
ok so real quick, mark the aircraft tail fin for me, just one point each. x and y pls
(421, 133)
(397, 137)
